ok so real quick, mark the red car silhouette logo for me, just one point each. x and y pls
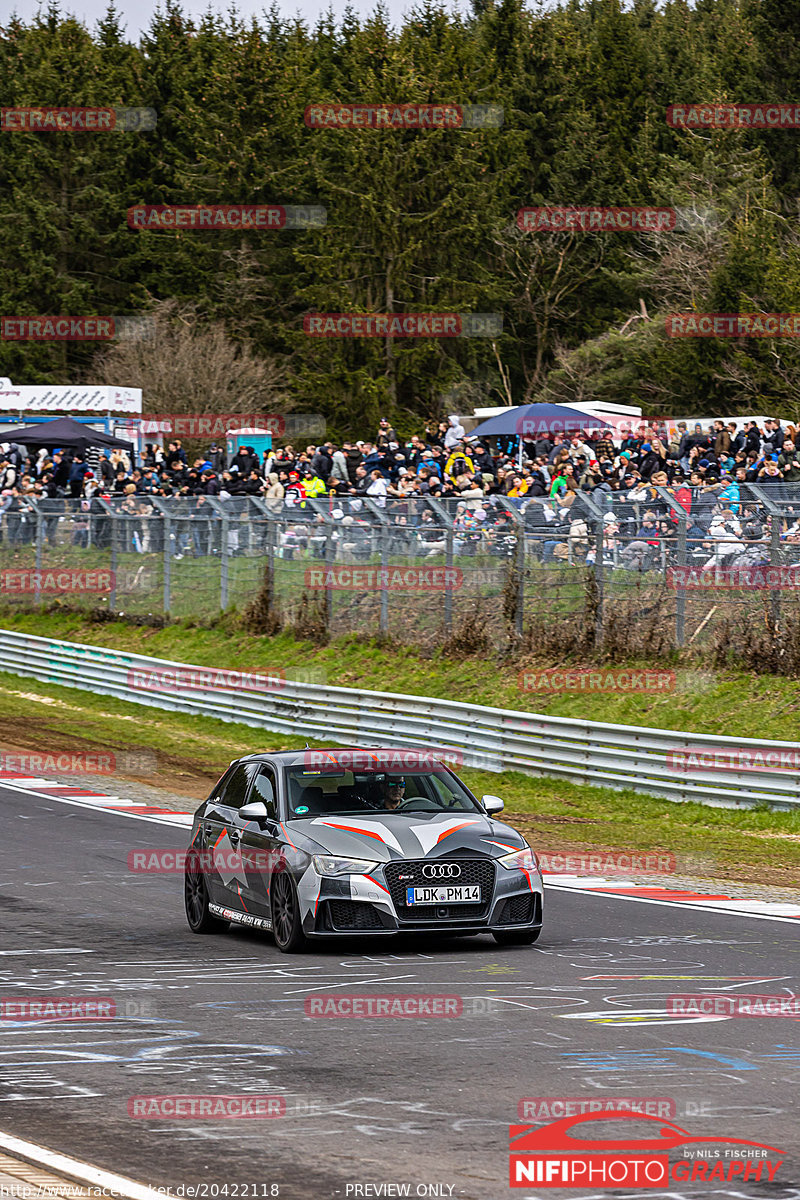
(666, 1136)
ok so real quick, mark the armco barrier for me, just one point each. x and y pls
(496, 739)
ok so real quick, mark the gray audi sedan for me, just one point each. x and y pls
(342, 842)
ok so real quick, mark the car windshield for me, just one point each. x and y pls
(327, 793)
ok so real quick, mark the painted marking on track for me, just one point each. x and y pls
(65, 950)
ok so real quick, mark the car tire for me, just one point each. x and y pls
(195, 898)
(287, 928)
(517, 937)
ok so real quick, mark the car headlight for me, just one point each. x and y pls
(328, 864)
(520, 860)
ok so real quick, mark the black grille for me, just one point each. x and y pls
(473, 871)
(347, 914)
(518, 910)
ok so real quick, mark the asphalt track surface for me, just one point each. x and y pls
(368, 1101)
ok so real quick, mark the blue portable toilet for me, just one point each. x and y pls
(250, 435)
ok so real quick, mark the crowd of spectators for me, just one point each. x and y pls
(557, 482)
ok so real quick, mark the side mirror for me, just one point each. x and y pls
(255, 811)
(492, 804)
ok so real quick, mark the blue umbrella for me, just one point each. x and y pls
(536, 421)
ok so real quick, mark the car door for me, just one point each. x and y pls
(211, 826)
(260, 841)
(226, 876)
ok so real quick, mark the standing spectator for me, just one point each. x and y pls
(77, 472)
(377, 488)
(722, 440)
(322, 461)
(274, 493)
(414, 452)
(338, 469)
(216, 457)
(354, 459)
(295, 492)
(455, 433)
(773, 437)
(385, 434)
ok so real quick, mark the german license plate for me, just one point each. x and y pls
(457, 894)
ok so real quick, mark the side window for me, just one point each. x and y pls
(237, 784)
(264, 789)
(219, 786)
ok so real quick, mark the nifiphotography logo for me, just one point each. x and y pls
(564, 1156)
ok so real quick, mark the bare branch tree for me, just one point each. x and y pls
(192, 365)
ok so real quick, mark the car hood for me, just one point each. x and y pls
(397, 836)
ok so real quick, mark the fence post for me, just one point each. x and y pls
(440, 511)
(776, 519)
(167, 564)
(517, 561)
(683, 526)
(596, 513)
(330, 554)
(39, 553)
(223, 563)
(680, 599)
(599, 580)
(112, 599)
(383, 534)
(774, 561)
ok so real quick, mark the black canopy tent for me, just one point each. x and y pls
(66, 434)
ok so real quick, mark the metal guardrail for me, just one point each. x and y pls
(492, 739)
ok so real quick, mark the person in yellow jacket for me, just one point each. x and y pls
(450, 468)
(314, 485)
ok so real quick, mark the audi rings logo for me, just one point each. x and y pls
(441, 870)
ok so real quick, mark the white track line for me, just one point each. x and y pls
(77, 1171)
(99, 803)
(681, 904)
